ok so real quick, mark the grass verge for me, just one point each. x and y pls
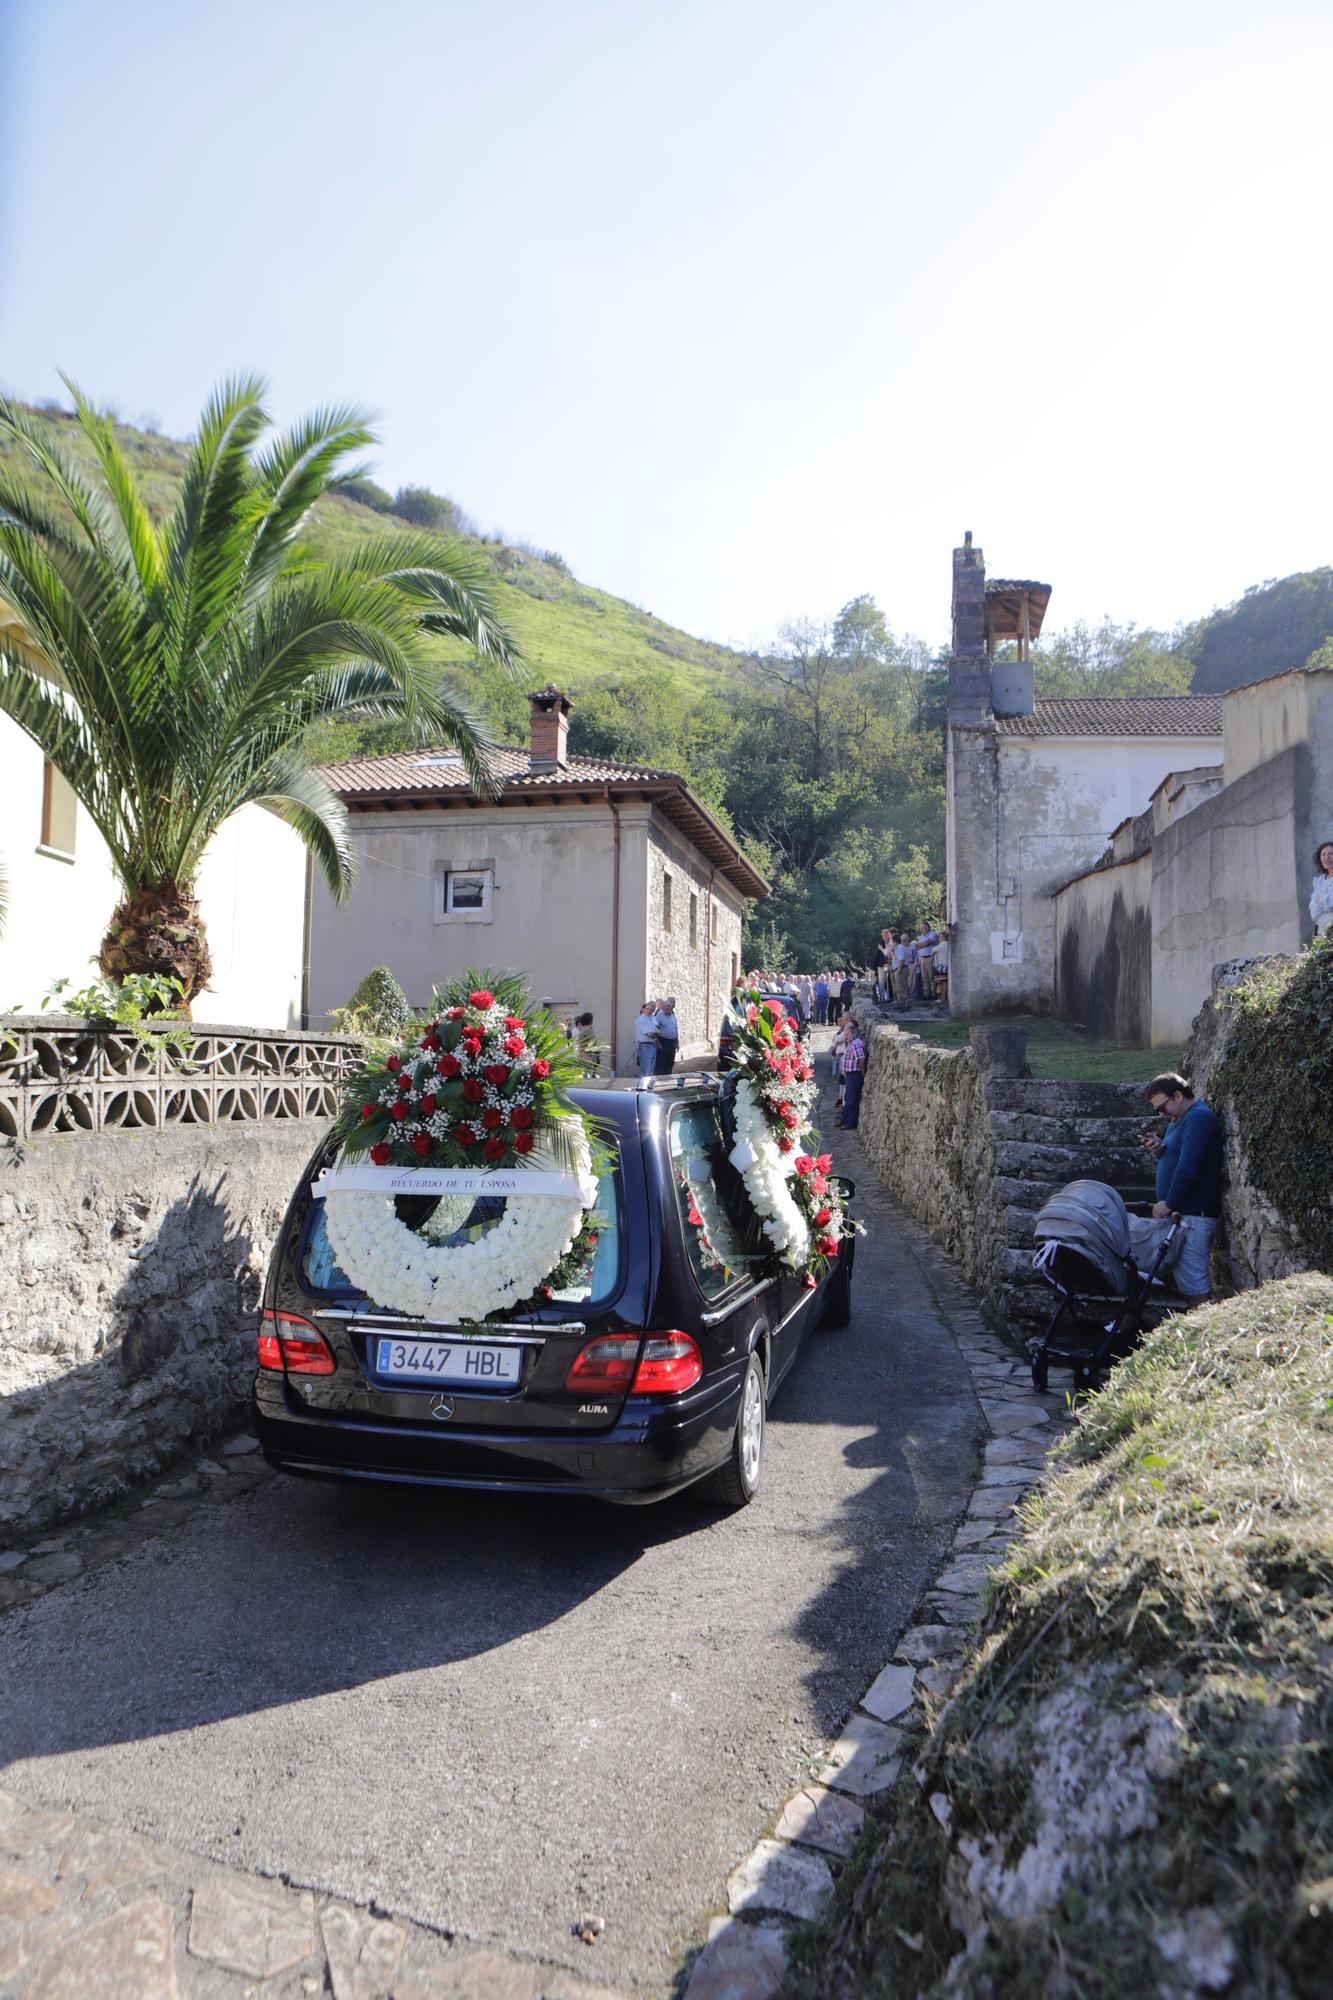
(1131, 1789)
(1059, 1052)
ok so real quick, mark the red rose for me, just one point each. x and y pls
(785, 1144)
(824, 1216)
(818, 1183)
(380, 1154)
(776, 1008)
(448, 1066)
(398, 1110)
(514, 1045)
(520, 1118)
(429, 1103)
(496, 1073)
(430, 1041)
(696, 1218)
(454, 1013)
(804, 1165)
(492, 1119)
(465, 1136)
(394, 1062)
(404, 1084)
(369, 1110)
(494, 1149)
(591, 1238)
(523, 1142)
(421, 1143)
(824, 1162)
(513, 1021)
(808, 1282)
(481, 999)
(827, 1244)
(541, 1067)
(472, 1091)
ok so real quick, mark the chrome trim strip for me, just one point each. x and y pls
(741, 1299)
(798, 1307)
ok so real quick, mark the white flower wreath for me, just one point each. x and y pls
(404, 1272)
(766, 1170)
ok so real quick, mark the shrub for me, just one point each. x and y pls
(425, 509)
(1277, 1078)
(367, 494)
(378, 1007)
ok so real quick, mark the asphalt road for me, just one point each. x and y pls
(491, 1715)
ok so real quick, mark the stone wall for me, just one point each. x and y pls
(972, 1147)
(1103, 950)
(130, 1270)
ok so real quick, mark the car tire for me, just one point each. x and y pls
(837, 1309)
(736, 1483)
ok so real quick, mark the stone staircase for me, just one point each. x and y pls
(1046, 1134)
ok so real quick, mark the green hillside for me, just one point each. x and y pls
(570, 633)
(1274, 627)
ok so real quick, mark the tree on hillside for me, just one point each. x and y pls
(1274, 627)
(171, 669)
(1109, 659)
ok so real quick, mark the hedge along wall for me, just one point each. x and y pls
(130, 1270)
(1261, 1054)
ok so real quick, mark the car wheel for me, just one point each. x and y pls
(736, 1483)
(837, 1309)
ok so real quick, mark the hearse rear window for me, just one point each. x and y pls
(717, 1220)
(459, 1219)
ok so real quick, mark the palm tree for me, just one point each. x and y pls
(171, 668)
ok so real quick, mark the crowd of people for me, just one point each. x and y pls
(912, 971)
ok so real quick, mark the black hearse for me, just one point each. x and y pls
(652, 1374)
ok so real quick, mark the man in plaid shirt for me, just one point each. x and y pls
(849, 1055)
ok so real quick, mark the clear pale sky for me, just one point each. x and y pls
(745, 306)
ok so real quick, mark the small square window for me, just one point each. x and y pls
(666, 902)
(463, 896)
(694, 919)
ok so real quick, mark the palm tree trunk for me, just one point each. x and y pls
(159, 930)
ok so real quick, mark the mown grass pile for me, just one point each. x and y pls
(1131, 1789)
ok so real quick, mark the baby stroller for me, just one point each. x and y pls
(1084, 1253)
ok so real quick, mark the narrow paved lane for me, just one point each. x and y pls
(490, 1714)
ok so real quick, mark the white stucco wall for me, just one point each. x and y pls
(1029, 813)
(251, 894)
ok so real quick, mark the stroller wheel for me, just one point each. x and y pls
(1040, 1374)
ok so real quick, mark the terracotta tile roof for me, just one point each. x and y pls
(368, 783)
(1120, 715)
(442, 770)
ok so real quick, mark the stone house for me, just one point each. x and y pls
(63, 889)
(603, 883)
(1036, 789)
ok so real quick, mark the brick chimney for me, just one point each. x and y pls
(550, 727)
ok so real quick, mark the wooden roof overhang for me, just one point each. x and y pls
(672, 795)
(1014, 610)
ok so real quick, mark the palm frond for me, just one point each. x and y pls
(293, 473)
(313, 810)
(451, 589)
(142, 540)
(208, 534)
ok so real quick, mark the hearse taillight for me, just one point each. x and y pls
(288, 1341)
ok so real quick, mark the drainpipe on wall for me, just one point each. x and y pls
(708, 959)
(615, 925)
(305, 938)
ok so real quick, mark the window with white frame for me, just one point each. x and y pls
(463, 895)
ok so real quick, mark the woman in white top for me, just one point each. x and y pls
(645, 1039)
(1321, 895)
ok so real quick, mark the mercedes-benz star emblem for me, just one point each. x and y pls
(442, 1407)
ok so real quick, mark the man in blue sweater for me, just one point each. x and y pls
(1189, 1177)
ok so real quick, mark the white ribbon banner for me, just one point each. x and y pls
(443, 1180)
